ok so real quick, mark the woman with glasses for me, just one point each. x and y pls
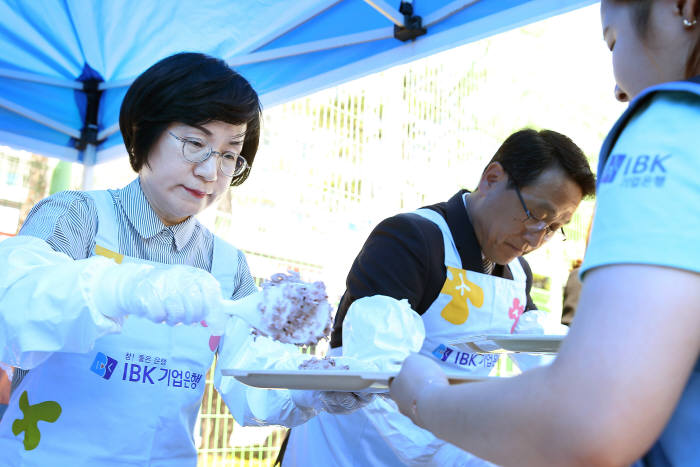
(109, 300)
(626, 382)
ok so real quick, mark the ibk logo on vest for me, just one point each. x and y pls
(642, 171)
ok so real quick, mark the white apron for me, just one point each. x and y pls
(469, 303)
(132, 400)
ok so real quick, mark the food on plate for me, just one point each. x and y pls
(325, 363)
(294, 311)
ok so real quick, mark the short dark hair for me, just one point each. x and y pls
(190, 88)
(527, 153)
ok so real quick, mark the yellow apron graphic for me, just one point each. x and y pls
(469, 303)
(47, 411)
(462, 291)
(102, 251)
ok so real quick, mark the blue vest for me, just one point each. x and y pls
(679, 443)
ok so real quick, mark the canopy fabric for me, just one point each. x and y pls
(286, 49)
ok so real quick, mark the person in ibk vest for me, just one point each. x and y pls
(110, 301)
(625, 386)
(460, 265)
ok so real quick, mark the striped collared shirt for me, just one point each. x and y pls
(68, 222)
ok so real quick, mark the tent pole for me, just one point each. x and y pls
(34, 78)
(313, 46)
(89, 157)
(391, 13)
(107, 132)
(37, 117)
(263, 41)
(446, 11)
(88, 136)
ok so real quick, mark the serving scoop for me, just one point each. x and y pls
(287, 310)
(247, 309)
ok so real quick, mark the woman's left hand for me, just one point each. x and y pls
(419, 375)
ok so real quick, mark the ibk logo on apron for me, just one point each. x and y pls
(149, 375)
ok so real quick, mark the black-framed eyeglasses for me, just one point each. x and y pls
(196, 151)
(533, 224)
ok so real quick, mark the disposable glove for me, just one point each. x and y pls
(334, 402)
(172, 294)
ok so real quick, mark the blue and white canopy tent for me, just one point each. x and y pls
(65, 65)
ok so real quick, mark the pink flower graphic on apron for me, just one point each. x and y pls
(213, 340)
(514, 313)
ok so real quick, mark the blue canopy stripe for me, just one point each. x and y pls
(285, 49)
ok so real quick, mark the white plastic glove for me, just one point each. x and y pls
(333, 402)
(172, 294)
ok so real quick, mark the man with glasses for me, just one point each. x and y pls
(459, 263)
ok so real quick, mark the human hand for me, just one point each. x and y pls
(418, 376)
(339, 402)
(173, 294)
(334, 402)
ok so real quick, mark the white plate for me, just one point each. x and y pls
(327, 380)
(498, 343)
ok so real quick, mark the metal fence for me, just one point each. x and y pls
(223, 442)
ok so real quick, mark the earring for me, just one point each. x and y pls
(689, 24)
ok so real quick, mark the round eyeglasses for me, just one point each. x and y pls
(196, 151)
(533, 224)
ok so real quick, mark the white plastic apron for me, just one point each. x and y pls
(470, 303)
(132, 400)
(487, 304)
